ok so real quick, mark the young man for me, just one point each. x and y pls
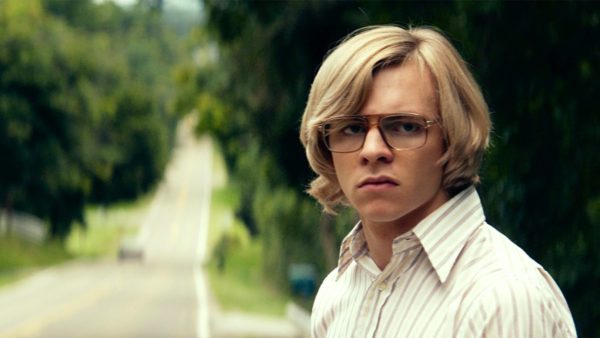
(395, 126)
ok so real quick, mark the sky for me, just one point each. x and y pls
(190, 5)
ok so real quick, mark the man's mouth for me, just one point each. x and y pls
(378, 181)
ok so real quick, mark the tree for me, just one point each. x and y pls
(85, 105)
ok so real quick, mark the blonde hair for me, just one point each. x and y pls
(344, 80)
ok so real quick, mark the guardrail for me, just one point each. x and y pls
(23, 225)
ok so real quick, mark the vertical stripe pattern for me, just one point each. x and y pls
(453, 275)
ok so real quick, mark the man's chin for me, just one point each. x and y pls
(382, 213)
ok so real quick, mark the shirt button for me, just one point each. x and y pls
(381, 286)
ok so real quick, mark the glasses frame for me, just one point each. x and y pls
(377, 119)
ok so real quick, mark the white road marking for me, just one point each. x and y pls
(202, 324)
(202, 320)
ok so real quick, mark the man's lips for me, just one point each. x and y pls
(377, 181)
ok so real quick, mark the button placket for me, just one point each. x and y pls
(382, 286)
(368, 312)
(383, 290)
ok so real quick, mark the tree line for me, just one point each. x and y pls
(86, 105)
(536, 62)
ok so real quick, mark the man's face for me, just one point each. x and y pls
(406, 184)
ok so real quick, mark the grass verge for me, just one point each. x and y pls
(19, 258)
(239, 284)
(235, 267)
(106, 226)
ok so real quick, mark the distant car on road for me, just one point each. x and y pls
(131, 248)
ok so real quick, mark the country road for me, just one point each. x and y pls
(165, 295)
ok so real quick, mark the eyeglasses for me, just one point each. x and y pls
(346, 134)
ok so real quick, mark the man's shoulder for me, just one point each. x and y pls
(327, 286)
(506, 282)
(495, 289)
(499, 255)
(511, 258)
(511, 297)
(517, 308)
(492, 262)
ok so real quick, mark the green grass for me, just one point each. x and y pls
(241, 284)
(19, 258)
(100, 238)
(9, 276)
(222, 216)
(106, 226)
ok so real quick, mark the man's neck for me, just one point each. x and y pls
(380, 236)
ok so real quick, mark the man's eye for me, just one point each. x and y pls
(405, 128)
(353, 129)
(409, 127)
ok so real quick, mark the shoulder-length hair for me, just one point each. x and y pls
(344, 81)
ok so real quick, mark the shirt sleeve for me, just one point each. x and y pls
(515, 308)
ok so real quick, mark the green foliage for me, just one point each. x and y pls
(85, 105)
(101, 238)
(287, 225)
(537, 64)
(138, 141)
(18, 254)
(236, 259)
(541, 175)
(106, 227)
(242, 287)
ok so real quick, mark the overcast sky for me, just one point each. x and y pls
(190, 5)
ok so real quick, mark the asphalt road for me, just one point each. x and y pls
(165, 295)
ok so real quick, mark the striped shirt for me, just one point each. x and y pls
(453, 275)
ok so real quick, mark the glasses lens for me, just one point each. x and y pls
(345, 134)
(404, 132)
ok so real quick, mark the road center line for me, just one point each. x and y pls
(34, 325)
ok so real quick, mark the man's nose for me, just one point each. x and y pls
(375, 148)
